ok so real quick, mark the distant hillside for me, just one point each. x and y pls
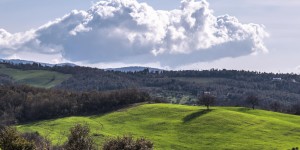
(181, 127)
(19, 61)
(36, 78)
(134, 69)
(277, 92)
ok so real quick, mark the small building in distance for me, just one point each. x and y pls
(277, 79)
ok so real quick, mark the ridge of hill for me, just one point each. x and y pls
(172, 126)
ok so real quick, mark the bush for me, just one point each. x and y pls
(40, 142)
(79, 138)
(11, 139)
(128, 143)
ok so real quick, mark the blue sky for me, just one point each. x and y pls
(280, 18)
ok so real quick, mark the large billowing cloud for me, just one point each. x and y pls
(130, 32)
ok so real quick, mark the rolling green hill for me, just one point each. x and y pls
(185, 127)
(36, 78)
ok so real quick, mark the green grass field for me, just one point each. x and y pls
(36, 78)
(185, 127)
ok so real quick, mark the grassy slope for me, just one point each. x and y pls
(187, 127)
(36, 78)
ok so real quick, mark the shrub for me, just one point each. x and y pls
(40, 142)
(128, 143)
(11, 139)
(79, 138)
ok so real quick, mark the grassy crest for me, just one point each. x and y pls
(185, 127)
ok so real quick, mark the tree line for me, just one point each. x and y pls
(19, 104)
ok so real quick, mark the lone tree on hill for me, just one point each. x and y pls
(252, 100)
(207, 100)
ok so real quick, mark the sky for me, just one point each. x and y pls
(192, 34)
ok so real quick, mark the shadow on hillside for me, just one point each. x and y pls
(244, 109)
(195, 115)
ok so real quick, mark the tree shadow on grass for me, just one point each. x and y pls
(195, 115)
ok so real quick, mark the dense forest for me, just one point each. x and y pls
(19, 104)
(277, 92)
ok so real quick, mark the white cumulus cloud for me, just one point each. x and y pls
(126, 31)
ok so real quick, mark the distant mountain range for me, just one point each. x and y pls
(122, 69)
(19, 61)
(134, 69)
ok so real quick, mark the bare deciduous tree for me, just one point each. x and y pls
(206, 100)
(252, 100)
